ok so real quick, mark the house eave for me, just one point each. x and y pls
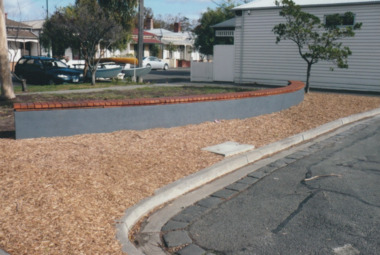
(242, 8)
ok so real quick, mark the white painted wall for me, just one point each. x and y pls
(259, 59)
(223, 68)
(201, 71)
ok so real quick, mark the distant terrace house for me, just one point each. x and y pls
(22, 40)
(183, 42)
(180, 57)
(178, 45)
(257, 57)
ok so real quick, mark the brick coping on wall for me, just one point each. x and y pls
(292, 87)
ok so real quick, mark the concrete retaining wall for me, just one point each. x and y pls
(34, 120)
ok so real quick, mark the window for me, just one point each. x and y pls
(340, 20)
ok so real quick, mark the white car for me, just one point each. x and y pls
(155, 63)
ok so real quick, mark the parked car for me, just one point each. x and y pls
(155, 63)
(45, 70)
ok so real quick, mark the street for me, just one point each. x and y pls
(321, 200)
(168, 76)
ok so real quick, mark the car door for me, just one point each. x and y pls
(27, 70)
(156, 63)
(37, 72)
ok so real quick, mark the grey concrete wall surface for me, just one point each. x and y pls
(67, 122)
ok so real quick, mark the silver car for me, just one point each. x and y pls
(155, 63)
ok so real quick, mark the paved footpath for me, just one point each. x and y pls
(322, 199)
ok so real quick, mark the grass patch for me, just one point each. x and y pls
(145, 92)
(61, 87)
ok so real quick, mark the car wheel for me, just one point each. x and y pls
(166, 67)
(148, 65)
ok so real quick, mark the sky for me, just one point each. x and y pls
(24, 10)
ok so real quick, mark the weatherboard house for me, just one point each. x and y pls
(257, 57)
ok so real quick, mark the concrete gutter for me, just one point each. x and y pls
(178, 188)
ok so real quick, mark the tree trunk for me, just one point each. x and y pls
(307, 87)
(5, 71)
(93, 77)
(141, 36)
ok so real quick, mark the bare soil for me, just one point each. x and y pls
(63, 195)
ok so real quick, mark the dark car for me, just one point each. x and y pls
(45, 70)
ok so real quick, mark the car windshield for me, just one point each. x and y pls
(54, 63)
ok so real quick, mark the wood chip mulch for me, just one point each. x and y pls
(63, 195)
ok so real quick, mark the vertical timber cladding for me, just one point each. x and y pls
(66, 122)
(259, 59)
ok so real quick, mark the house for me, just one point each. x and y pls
(175, 47)
(225, 30)
(259, 59)
(178, 45)
(21, 40)
(150, 41)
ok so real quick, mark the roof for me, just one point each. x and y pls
(19, 31)
(12, 23)
(149, 38)
(226, 24)
(136, 32)
(21, 34)
(35, 24)
(161, 32)
(180, 38)
(258, 4)
(38, 57)
(148, 41)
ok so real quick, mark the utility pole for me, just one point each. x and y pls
(141, 36)
(47, 17)
(5, 71)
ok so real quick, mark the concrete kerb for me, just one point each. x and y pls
(228, 165)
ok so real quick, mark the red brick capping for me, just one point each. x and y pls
(292, 87)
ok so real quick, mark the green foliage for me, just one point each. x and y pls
(206, 40)
(85, 26)
(171, 47)
(154, 50)
(55, 34)
(124, 13)
(315, 40)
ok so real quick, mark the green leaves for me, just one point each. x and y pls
(206, 40)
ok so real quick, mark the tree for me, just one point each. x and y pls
(5, 72)
(205, 39)
(55, 34)
(171, 48)
(124, 13)
(315, 40)
(89, 26)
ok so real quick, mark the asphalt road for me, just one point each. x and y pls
(168, 76)
(320, 200)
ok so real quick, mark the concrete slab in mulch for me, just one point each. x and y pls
(229, 148)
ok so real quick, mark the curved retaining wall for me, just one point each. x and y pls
(49, 119)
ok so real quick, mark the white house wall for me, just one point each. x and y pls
(259, 59)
